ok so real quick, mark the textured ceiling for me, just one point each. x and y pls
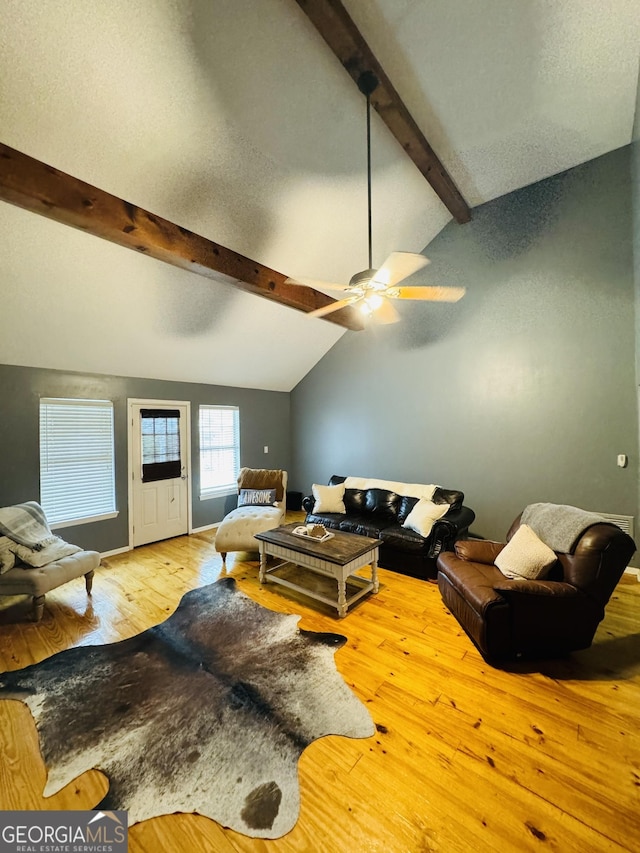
(511, 93)
(234, 119)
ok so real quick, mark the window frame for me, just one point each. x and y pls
(231, 487)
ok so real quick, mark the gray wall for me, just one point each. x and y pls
(264, 419)
(635, 206)
(524, 391)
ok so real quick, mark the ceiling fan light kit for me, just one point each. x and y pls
(371, 289)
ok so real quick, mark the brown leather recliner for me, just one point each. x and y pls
(534, 618)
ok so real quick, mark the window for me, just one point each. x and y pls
(219, 450)
(77, 460)
(160, 432)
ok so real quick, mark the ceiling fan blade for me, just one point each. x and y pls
(333, 306)
(432, 294)
(316, 283)
(398, 266)
(386, 313)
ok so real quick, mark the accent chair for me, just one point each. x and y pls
(256, 511)
(511, 618)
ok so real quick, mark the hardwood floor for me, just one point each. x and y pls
(466, 757)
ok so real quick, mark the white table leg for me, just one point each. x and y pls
(374, 573)
(262, 574)
(342, 597)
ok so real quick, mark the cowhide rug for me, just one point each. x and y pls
(207, 712)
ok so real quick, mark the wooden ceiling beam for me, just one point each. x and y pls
(339, 31)
(35, 186)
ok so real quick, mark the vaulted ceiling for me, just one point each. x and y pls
(235, 120)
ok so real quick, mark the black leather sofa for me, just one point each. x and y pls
(380, 513)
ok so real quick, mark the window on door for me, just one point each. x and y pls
(77, 460)
(219, 450)
(160, 436)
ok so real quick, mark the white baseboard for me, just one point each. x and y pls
(206, 527)
(631, 571)
(116, 551)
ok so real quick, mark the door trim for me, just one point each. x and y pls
(138, 401)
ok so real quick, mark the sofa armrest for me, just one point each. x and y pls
(544, 589)
(448, 528)
(478, 550)
(457, 520)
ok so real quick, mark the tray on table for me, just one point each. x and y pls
(327, 535)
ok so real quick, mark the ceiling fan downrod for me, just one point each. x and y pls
(367, 83)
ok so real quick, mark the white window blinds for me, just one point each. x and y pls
(77, 460)
(219, 450)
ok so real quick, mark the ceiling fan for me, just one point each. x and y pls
(372, 289)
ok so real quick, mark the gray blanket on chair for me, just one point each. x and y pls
(26, 524)
(558, 525)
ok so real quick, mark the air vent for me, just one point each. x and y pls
(623, 521)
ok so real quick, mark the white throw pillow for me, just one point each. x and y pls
(525, 556)
(424, 515)
(328, 498)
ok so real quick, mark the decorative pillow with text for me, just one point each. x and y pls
(257, 497)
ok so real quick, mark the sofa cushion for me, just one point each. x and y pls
(23, 580)
(424, 515)
(363, 525)
(329, 519)
(336, 478)
(448, 496)
(382, 504)
(237, 529)
(404, 539)
(407, 503)
(355, 500)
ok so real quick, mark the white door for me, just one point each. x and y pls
(159, 470)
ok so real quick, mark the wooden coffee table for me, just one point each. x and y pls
(338, 557)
